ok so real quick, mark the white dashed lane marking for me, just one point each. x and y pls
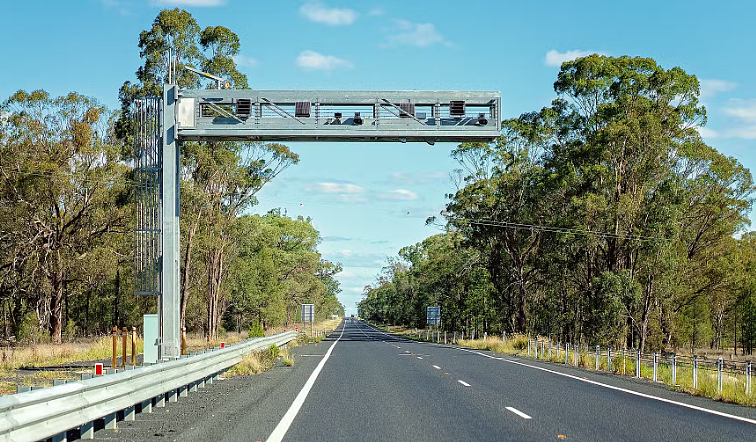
(463, 383)
(518, 412)
(437, 367)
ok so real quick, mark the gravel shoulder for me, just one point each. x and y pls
(213, 413)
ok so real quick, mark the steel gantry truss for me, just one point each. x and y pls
(276, 115)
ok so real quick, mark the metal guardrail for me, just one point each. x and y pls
(50, 412)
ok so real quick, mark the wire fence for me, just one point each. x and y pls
(728, 380)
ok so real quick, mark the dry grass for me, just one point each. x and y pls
(40, 355)
(257, 362)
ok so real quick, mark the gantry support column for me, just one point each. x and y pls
(170, 320)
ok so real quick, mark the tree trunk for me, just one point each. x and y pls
(186, 272)
(56, 301)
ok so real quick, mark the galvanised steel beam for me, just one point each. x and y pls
(425, 116)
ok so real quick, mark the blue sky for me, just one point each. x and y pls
(369, 200)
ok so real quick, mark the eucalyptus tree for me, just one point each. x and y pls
(219, 179)
(63, 193)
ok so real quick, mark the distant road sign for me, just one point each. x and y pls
(308, 312)
(433, 316)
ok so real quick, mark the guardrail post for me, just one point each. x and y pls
(638, 364)
(183, 391)
(674, 369)
(160, 401)
(60, 437)
(129, 414)
(147, 406)
(748, 377)
(171, 395)
(720, 363)
(609, 359)
(695, 372)
(656, 365)
(110, 421)
(598, 349)
(115, 347)
(86, 431)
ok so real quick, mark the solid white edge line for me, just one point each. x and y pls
(283, 426)
(463, 382)
(518, 412)
(624, 390)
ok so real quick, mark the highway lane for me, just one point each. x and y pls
(362, 384)
(377, 387)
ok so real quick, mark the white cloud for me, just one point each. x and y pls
(742, 109)
(200, 3)
(336, 188)
(398, 195)
(415, 34)
(712, 87)
(312, 61)
(745, 132)
(376, 12)
(121, 8)
(555, 58)
(245, 61)
(319, 13)
(708, 133)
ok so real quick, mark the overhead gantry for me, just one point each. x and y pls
(224, 114)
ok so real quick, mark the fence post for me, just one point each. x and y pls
(124, 334)
(623, 361)
(609, 359)
(133, 346)
(748, 378)
(577, 355)
(720, 363)
(674, 369)
(695, 372)
(638, 364)
(115, 347)
(656, 366)
(597, 357)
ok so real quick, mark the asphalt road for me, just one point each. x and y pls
(362, 384)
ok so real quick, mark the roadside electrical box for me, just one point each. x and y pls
(151, 327)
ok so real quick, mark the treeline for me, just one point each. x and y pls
(603, 219)
(67, 211)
